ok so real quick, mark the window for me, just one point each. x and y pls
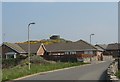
(73, 52)
(54, 54)
(88, 52)
(10, 55)
(62, 53)
(67, 53)
(70, 52)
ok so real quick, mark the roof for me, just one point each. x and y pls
(70, 46)
(85, 44)
(114, 46)
(15, 47)
(99, 48)
(103, 46)
(33, 47)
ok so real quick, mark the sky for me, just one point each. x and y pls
(0, 22)
(60, 0)
(72, 21)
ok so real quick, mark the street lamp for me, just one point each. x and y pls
(90, 43)
(90, 37)
(29, 43)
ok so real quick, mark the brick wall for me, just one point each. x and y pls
(41, 51)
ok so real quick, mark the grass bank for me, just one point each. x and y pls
(18, 71)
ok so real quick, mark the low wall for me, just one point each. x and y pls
(86, 60)
(111, 71)
(90, 59)
(107, 58)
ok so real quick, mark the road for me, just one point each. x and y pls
(94, 71)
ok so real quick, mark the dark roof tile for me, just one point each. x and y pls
(33, 47)
(70, 46)
(15, 47)
(114, 46)
(103, 46)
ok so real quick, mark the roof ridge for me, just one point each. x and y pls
(88, 43)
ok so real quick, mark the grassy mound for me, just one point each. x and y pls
(36, 60)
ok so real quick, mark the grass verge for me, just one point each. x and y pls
(118, 74)
(18, 71)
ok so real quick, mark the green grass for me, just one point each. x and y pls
(18, 71)
(118, 74)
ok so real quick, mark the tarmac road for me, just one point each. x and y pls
(94, 71)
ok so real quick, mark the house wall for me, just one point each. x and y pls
(6, 49)
(105, 58)
(56, 53)
(80, 52)
(114, 53)
(68, 56)
(41, 51)
(99, 55)
(62, 58)
(68, 53)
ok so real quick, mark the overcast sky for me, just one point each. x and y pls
(72, 21)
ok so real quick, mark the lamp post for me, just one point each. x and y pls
(90, 43)
(29, 43)
(90, 37)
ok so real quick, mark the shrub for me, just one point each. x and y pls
(11, 62)
(35, 59)
(38, 59)
(6, 63)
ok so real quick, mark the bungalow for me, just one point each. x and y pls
(113, 49)
(12, 50)
(102, 46)
(69, 51)
(103, 52)
(65, 51)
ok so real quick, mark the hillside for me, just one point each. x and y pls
(47, 41)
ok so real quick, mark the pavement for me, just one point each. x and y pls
(93, 71)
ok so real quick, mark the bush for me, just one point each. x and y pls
(11, 62)
(35, 59)
(38, 59)
(6, 63)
